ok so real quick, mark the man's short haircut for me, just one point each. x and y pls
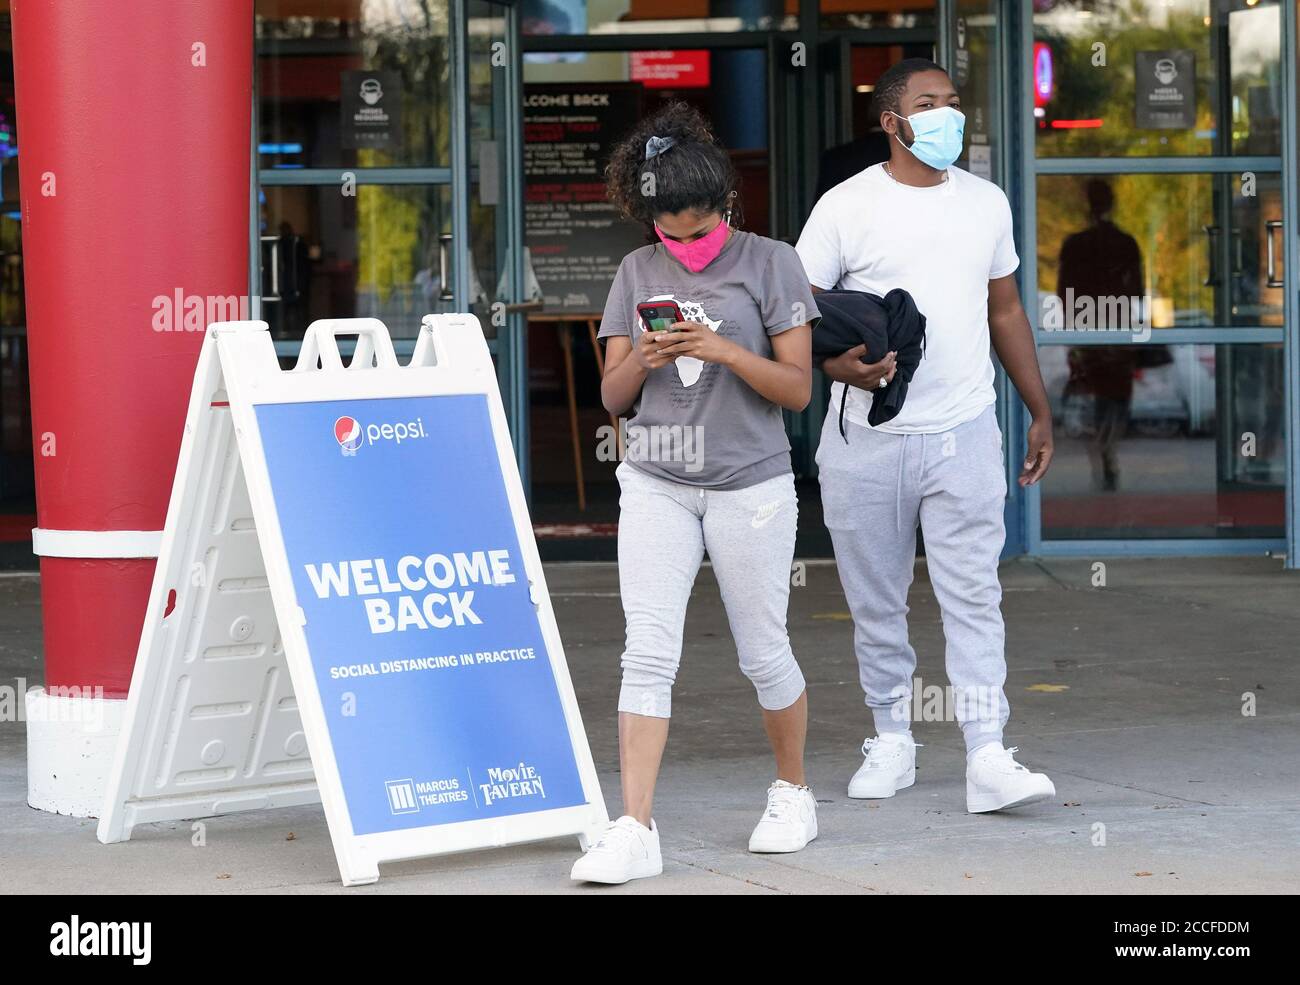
(888, 95)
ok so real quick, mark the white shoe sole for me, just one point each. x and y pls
(984, 802)
(759, 847)
(644, 869)
(905, 781)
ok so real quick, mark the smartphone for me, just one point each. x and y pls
(658, 316)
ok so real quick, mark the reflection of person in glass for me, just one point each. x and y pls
(1097, 265)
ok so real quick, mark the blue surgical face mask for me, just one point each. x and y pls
(938, 136)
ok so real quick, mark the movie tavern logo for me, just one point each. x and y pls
(501, 783)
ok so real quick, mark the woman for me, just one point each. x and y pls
(707, 465)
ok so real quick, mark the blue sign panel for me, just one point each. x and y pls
(427, 649)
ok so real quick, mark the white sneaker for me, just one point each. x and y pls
(995, 781)
(627, 850)
(889, 766)
(788, 823)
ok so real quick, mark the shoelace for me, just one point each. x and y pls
(615, 838)
(871, 745)
(782, 803)
(1009, 754)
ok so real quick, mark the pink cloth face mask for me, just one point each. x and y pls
(699, 253)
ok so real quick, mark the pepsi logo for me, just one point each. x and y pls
(347, 432)
(351, 435)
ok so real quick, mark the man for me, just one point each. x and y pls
(944, 236)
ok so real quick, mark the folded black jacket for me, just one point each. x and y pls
(883, 325)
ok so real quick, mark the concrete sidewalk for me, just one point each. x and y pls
(1130, 697)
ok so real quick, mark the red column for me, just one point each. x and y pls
(133, 124)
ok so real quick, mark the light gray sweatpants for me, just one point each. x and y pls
(664, 529)
(875, 490)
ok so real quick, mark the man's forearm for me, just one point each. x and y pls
(833, 369)
(1013, 341)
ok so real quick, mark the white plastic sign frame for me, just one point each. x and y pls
(165, 768)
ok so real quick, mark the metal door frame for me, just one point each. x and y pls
(1291, 276)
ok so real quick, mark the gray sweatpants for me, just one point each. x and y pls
(664, 529)
(875, 490)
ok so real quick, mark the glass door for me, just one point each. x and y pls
(490, 269)
(1156, 211)
(388, 170)
(353, 145)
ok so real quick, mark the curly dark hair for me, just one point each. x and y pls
(694, 173)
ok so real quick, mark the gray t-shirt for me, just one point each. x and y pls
(699, 423)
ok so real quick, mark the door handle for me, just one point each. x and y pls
(1272, 279)
(444, 266)
(1212, 277)
(273, 255)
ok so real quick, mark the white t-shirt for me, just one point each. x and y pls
(941, 244)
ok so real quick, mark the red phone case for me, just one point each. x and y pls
(645, 306)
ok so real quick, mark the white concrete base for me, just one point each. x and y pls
(70, 744)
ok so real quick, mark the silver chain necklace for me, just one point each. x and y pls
(892, 178)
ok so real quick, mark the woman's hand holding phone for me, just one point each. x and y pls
(649, 351)
(691, 338)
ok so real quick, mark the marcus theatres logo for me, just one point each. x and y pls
(410, 796)
(351, 434)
